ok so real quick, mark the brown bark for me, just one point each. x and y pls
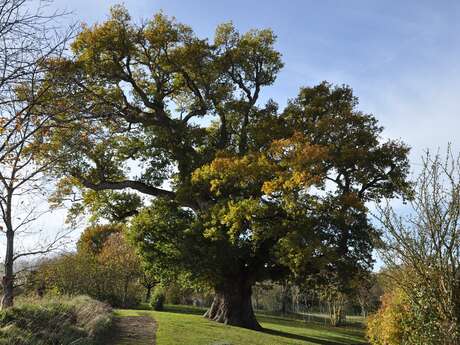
(232, 305)
(337, 311)
(148, 293)
(125, 292)
(8, 278)
(7, 299)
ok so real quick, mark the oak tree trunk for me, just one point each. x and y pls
(232, 305)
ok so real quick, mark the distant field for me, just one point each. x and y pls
(179, 325)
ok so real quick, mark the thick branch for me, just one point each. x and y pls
(136, 185)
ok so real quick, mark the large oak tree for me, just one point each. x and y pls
(238, 191)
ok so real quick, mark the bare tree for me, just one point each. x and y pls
(28, 38)
(425, 244)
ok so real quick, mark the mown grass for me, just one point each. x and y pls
(179, 325)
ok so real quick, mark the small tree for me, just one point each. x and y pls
(423, 248)
(332, 294)
(148, 280)
(104, 267)
(119, 258)
(362, 289)
(28, 38)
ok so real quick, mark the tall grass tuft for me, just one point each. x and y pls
(55, 321)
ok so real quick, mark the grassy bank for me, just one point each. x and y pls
(178, 325)
(77, 321)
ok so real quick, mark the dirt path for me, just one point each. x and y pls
(133, 330)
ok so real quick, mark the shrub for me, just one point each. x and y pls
(422, 253)
(105, 267)
(385, 326)
(80, 321)
(174, 294)
(158, 298)
(93, 316)
(402, 320)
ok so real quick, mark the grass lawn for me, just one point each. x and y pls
(179, 325)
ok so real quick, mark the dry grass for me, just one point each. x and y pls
(55, 321)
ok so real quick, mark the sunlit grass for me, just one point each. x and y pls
(178, 325)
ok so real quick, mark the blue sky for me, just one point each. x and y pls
(401, 57)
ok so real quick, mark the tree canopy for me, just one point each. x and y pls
(236, 191)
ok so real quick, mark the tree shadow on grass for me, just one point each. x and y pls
(183, 309)
(346, 330)
(303, 337)
(314, 321)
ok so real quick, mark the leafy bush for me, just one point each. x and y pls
(174, 294)
(385, 326)
(401, 320)
(105, 267)
(158, 298)
(81, 321)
